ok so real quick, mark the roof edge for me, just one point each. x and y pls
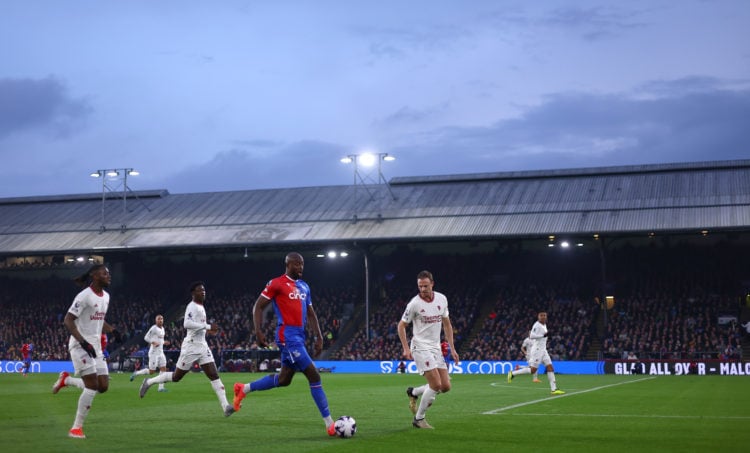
(156, 193)
(572, 172)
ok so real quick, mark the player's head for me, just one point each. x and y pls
(98, 275)
(294, 265)
(159, 320)
(425, 284)
(542, 317)
(198, 291)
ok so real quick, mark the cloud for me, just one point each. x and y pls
(27, 104)
(406, 115)
(582, 130)
(594, 23)
(692, 84)
(304, 163)
(401, 42)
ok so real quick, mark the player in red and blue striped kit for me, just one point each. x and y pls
(26, 351)
(293, 307)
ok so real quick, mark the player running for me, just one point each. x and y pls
(290, 297)
(526, 350)
(428, 311)
(156, 358)
(85, 322)
(539, 354)
(26, 350)
(195, 348)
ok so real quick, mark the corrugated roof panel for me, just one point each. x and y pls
(617, 199)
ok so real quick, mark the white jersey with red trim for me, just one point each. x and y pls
(155, 335)
(90, 310)
(427, 320)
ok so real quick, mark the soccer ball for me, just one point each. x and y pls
(345, 426)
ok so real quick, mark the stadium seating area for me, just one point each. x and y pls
(668, 304)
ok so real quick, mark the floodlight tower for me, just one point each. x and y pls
(365, 165)
(114, 180)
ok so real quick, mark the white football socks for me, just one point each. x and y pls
(220, 393)
(428, 396)
(551, 377)
(84, 406)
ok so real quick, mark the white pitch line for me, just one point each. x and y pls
(528, 403)
(716, 417)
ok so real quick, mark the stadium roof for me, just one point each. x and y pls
(610, 200)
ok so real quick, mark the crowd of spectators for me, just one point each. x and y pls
(504, 329)
(676, 327)
(397, 287)
(668, 305)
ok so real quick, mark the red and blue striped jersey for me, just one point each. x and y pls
(290, 301)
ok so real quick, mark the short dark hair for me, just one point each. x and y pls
(425, 274)
(196, 284)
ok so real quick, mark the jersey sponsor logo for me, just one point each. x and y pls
(431, 319)
(297, 295)
(98, 316)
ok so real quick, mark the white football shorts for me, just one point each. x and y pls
(192, 353)
(84, 364)
(430, 359)
(157, 360)
(538, 357)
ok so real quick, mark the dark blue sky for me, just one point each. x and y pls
(212, 96)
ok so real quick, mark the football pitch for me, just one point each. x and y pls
(481, 413)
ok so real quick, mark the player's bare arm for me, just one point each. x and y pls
(70, 324)
(448, 329)
(404, 341)
(318, 335)
(258, 308)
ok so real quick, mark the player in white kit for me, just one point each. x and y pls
(195, 349)
(85, 322)
(526, 349)
(156, 358)
(428, 313)
(539, 354)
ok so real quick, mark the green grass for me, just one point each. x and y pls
(616, 413)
